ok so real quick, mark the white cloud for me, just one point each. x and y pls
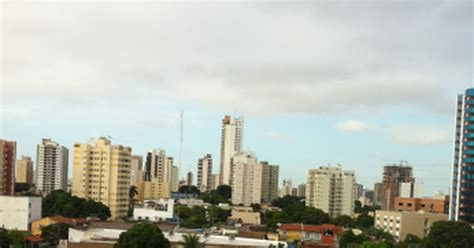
(353, 126)
(418, 135)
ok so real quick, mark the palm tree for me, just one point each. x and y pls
(192, 241)
(132, 192)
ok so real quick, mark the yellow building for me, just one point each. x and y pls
(153, 190)
(24, 170)
(102, 173)
(38, 225)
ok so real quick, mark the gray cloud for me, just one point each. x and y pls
(269, 58)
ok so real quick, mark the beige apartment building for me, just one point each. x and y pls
(102, 173)
(399, 224)
(232, 135)
(136, 171)
(204, 173)
(24, 170)
(269, 181)
(159, 176)
(332, 190)
(246, 179)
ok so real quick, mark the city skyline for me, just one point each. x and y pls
(360, 85)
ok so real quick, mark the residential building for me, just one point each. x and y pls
(327, 235)
(428, 205)
(102, 173)
(7, 167)
(191, 202)
(136, 171)
(302, 190)
(332, 190)
(51, 166)
(231, 143)
(269, 181)
(245, 215)
(214, 181)
(154, 210)
(286, 187)
(18, 212)
(461, 202)
(378, 194)
(411, 189)
(393, 176)
(24, 170)
(399, 224)
(39, 224)
(246, 179)
(294, 191)
(204, 173)
(158, 175)
(189, 178)
(174, 178)
(359, 190)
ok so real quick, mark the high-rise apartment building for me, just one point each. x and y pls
(461, 197)
(51, 166)
(231, 143)
(269, 181)
(158, 175)
(411, 190)
(7, 167)
(286, 187)
(393, 177)
(246, 179)
(189, 178)
(302, 190)
(102, 173)
(214, 181)
(136, 171)
(204, 173)
(174, 178)
(359, 191)
(24, 170)
(332, 190)
(378, 194)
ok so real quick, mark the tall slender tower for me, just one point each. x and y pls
(51, 166)
(231, 144)
(461, 197)
(7, 167)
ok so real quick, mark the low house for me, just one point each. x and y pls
(154, 210)
(245, 215)
(38, 225)
(323, 234)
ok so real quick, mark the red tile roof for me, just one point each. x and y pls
(310, 228)
(67, 220)
(33, 238)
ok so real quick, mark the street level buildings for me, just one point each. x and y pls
(102, 173)
(461, 199)
(231, 143)
(51, 166)
(24, 170)
(332, 190)
(7, 167)
(204, 173)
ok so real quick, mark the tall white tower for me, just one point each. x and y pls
(51, 166)
(231, 144)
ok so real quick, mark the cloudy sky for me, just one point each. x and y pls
(356, 83)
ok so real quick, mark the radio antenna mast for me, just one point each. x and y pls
(181, 140)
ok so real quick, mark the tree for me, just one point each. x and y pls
(314, 216)
(132, 192)
(450, 234)
(225, 191)
(189, 189)
(349, 239)
(412, 241)
(287, 201)
(62, 203)
(255, 207)
(4, 238)
(278, 217)
(143, 235)
(364, 221)
(192, 241)
(217, 214)
(344, 221)
(54, 232)
(214, 198)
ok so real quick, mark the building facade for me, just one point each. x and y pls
(102, 173)
(428, 205)
(332, 190)
(24, 170)
(158, 175)
(400, 224)
(174, 178)
(286, 187)
(269, 181)
(461, 197)
(7, 167)
(204, 173)
(231, 143)
(393, 177)
(136, 171)
(246, 179)
(302, 190)
(18, 212)
(378, 194)
(52, 161)
(154, 210)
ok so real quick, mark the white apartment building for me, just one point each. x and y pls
(286, 187)
(231, 144)
(411, 190)
(246, 179)
(332, 190)
(136, 171)
(102, 174)
(154, 210)
(18, 212)
(51, 166)
(204, 173)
